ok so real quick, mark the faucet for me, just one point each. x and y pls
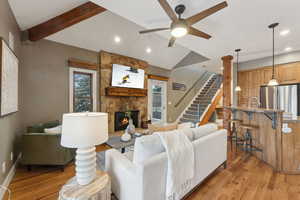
(257, 102)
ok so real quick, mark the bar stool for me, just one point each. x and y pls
(248, 139)
(234, 137)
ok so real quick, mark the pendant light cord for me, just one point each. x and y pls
(273, 59)
(237, 67)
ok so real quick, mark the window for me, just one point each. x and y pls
(82, 90)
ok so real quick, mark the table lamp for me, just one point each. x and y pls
(83, 131)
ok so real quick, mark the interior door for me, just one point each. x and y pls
(157, 97)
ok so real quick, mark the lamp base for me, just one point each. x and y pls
(85, 165)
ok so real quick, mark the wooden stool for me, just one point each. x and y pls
(248, 139)
(99, 189)
(234, 137)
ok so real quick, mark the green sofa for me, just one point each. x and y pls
(40, 148)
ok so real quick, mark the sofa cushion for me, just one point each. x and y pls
(51, 124)
(204, 130)
(146, 147)
(39, 128)
(188, 132)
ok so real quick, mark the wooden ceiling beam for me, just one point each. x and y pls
(63, 21)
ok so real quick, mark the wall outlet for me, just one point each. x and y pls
(4, 167)
(11, 156)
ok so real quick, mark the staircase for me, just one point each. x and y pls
(202, 101)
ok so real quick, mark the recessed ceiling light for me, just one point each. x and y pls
(148, 50)
(222, 68)
(284, 32)
(288, 49)
(117, 39)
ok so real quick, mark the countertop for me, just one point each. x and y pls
(291, 120)
(263, 110)
(258, 110)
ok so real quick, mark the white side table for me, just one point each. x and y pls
(99, 189)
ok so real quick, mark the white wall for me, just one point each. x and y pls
(263, 62)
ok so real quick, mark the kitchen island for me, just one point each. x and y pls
(280, 146)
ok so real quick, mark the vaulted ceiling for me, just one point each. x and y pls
(98, 32)
(243, 24)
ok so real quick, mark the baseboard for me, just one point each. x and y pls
(9, 177)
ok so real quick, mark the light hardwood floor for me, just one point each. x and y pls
(248, 179)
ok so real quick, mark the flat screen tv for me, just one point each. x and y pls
(129, 77)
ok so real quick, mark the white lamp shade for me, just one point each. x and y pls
(82, 130)
(238, 89)
(273, 82)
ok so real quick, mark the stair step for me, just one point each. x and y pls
(196, 108)
(204, 98)
(195, 112)
(192, 117)
(202, 102)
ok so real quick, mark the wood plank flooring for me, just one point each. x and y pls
(248, 179)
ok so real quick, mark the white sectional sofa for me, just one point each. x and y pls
(143, 176)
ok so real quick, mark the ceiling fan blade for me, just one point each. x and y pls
(198, 33)
(196, 18)
(153, 30)
(168, 9)
(172, 41)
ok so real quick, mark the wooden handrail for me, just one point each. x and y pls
(191, 88)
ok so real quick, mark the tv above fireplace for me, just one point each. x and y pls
(129, 77)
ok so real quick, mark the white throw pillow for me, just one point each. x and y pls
(188, 132)
(146, 147)
(54, 130)
(204, 130)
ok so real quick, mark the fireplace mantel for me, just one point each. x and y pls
(125, 92)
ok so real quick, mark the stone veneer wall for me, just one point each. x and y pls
(112, 104)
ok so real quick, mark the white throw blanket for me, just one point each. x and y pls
(180, 163)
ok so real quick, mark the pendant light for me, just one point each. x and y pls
(273, 81)
(237, 88)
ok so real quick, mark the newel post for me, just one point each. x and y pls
(227, 89)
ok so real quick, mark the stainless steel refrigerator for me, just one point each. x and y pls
(282, 97)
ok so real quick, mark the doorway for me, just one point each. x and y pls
(157, 101)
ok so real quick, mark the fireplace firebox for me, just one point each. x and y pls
(122, 119)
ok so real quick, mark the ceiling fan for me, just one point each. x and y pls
(179, 26)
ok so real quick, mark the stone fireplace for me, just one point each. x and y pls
(114, 104)
(122, 119)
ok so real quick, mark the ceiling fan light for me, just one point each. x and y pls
(179, 32)
(238, 89)
(273, 82)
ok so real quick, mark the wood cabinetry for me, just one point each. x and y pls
(289, 73)
(291, 149)
(251, 80)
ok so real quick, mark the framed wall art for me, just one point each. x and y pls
(9, 70)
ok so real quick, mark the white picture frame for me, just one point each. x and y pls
(9, 80)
